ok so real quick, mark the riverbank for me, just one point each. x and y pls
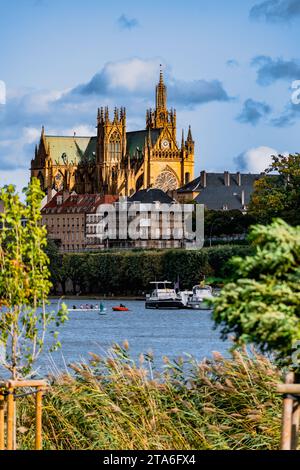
(97, 297)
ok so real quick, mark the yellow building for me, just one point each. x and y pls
(116, 161)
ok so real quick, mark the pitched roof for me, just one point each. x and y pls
(216, 195)
(74, 148)
(136, 140)
(150, 196)
(77, 203)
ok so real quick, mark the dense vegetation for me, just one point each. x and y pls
(129, 272)
(278, 193)
(262, 303)
(113, 403)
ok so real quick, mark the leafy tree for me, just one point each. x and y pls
(57, 269)
(226, 223)
(24, 281)
(278, 195)
(262, 304)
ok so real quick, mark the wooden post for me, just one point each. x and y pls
(295, 425)
(10, 419)
(2, 403)
(38, 418)
(287, 417)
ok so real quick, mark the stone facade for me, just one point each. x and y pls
(116, 161)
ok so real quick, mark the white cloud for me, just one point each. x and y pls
(16, 152)
(2, 92)
(256, 160)
(132, 75)
(19, 178)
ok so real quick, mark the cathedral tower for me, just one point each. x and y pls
(111, 149)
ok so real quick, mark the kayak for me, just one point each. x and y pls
(120, 309)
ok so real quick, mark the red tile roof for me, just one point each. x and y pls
(77, 203)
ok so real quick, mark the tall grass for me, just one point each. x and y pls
(115, 403)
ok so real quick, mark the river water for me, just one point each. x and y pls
(164, 332)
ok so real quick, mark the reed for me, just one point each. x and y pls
(116, 403)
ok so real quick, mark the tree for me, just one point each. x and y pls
(57, 269)
(262, 304)
(278, 195)
(24, 282)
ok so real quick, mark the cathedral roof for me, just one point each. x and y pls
(72, 148)
(136, 140)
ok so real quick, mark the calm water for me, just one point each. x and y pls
(165, 332)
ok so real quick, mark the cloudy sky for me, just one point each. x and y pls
(229, 66)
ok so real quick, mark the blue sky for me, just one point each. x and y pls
(229, 66)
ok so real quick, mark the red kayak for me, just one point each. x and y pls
(120, 309)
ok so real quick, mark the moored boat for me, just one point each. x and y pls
(163, 297)
(200, 298)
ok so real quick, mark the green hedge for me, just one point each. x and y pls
(130, 272)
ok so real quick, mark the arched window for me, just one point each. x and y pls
(114, 147)
(187, 178)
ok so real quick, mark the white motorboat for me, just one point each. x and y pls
(199, 298)
(164, 297)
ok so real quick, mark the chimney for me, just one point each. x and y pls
(65, 195)
(239, 178)
(243, 198)
(226, 178)
(59, 199)
(203, 178)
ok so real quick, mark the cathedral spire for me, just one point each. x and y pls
(182, 139)
(189, 137)
(161, 93)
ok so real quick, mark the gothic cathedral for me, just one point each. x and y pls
(115, 161)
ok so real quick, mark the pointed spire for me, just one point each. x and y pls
(161, 92)
(43, 131)
(189, 137)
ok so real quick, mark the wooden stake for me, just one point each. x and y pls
(295, 425)
(287, 417)
(10, 419)
(38, 418)
(2, 439)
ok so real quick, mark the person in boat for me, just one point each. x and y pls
(74, 307)
(122, 306)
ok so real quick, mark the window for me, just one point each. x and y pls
(114, 147)
(187, 178)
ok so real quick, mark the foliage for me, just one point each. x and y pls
(24, 281)
(226, 223)
(115, 403)
(262, 304)
(278, 195)
(130, 272)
